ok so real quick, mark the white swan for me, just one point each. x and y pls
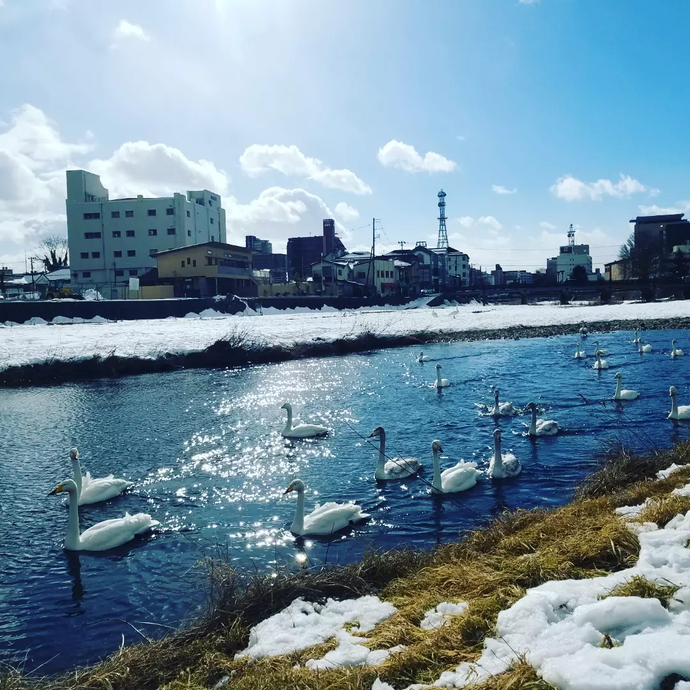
(603, 353)
(624, 394)
(440, 383)
(503, 465)
(643, 348)
(600, 363)
(300, 430)
(395, 468)
(583, 331)
(90, 490)
(675, 352)
(105, 535)
(579, 354)
(637, 338)
(461, 477)
(423, 358)
(326, 519)
(505, 409)
(541, 427)
(682, 412)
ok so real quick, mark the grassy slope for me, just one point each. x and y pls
(490, 569)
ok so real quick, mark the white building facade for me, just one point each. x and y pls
(112, 240)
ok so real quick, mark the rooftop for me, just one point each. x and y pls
(217, 245)
(667, 218)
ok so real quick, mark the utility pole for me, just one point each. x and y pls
(402, 244)
(370, 271)
(33, 284)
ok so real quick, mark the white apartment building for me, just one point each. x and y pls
(112, 240)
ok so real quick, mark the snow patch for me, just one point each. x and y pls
(559, 626)
(92, 295)
(665, 474)
(192, 315)
(351, 652)
(441, 615)
(305, 624)
(682, 491)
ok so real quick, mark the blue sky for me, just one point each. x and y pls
(531, 116)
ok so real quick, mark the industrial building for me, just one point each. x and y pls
(302, 252)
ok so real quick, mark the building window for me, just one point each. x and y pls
(119, 274)
(131, 252)
(189, 233)
(189, 261)
(92, 216)
(210, 203)
(132, 271)
(95, 255)
(153, 252)
(211, 221)
(169, 211)
(92, 235)
(84, 255)
(152, 232)
(114, 214)
(117, 255)
(171, 231)
(117, 234)
(152, 211)
(189, 215)
(129, 214)
(86, 274)
(181, 264)
(130, 233)
(194, 262)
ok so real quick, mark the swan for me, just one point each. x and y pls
(440, 383)
(326, 519)
(541, 427)
(90, 490)
(675, 352)
(603, 353)
(583, 331)
(423, 358)
(300, 430)
(600, 363)
(682, 412)
(579, 354)
(461, 477)
(395, 468)
(504, 465)
(643, 348)
(623, 394)
(105, 535)
(637, 338)
(505, 409)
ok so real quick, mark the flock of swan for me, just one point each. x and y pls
(333, 517)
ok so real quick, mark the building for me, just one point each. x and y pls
(303, 252)
(275, 264)
(659, 234)
(570, 256)
(207, 269)
(111, 240)
(257, 245)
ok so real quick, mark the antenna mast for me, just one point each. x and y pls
(442, 242)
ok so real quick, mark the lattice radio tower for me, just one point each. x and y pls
(442, 232)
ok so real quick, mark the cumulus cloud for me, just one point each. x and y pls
(345, 212)
(570, 188)
(126, 31)
(483, 222)
(396, 154)
(289, 160)
(138, 167)
(500, 189)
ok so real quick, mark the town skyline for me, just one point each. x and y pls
(527, 114)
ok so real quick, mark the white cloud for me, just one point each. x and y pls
(345, 212)
(126, 30)
(500, 189)
(289, 160)
(570, 188)
(486, 222)
(654, 210)
(529, 2)
(547, 226)
(138, 167)
(396, 154)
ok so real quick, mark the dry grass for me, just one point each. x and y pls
(490, 569)
(641, 587)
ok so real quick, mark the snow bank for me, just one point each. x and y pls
(559, 626)
(441, 615)
(304, 624)
(150, 337)
(35, 321)
(682, 491)
(665, 474)
(351, 652)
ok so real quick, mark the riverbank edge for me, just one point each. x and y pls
(490, 568)
(239, 349)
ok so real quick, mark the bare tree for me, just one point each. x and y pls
(643, 261)
(53, 253)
